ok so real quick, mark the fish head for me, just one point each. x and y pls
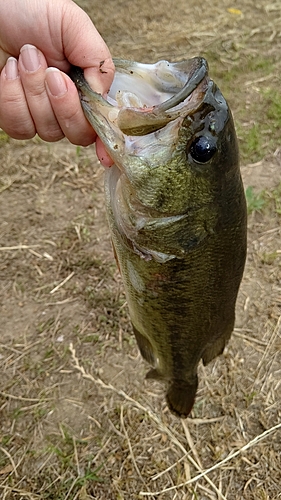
(169, 131)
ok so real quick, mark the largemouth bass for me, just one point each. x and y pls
(177, 212)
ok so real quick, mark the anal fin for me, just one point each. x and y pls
(145, 347)
(154, 374)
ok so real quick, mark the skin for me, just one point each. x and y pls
(39, 40)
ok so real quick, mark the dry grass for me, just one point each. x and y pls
(78, 422)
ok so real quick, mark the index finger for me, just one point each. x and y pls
(84, 47)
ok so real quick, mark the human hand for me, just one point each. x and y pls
(40, 34)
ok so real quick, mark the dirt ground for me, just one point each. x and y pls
(77, 420)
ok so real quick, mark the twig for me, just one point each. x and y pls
(32, 496)
(95, 459)
(251, 443)
(11, 460)
(110, 387)
(129, 444)
(18, 247)
(191, 443)
(168, 468)
(20, 398)
(62, 283)
(197, 462)
(249, 339)
(270, 343)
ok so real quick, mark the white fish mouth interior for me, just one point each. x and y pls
(154, 143)
(143, 96)
(141, 90)
(152, 85)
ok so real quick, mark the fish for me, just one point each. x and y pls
(177, 213)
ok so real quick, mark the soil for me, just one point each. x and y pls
(77, 420)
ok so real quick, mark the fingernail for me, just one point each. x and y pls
(55, 82)
(30, 58)
(11, 69)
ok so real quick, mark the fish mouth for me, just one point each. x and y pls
(143, 98)
(163, 93)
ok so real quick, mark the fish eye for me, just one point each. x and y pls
(203, 149)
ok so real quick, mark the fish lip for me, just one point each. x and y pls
(199, 70)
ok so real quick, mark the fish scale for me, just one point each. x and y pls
(177, 213)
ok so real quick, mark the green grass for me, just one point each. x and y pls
(257, 119)
(251, 145)
(255, 201)
(273, 112)
(4, 138)
(269, 258)
(252, 66)
(90, 475)
(68, 451)
(275, 197)
(259, 201)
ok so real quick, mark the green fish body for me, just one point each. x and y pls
(177, 213)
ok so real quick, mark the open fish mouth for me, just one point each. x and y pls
(159, 89)
(143, 98)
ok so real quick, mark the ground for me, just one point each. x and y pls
(77, 419)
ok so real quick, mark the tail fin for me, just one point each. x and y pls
(181, 396)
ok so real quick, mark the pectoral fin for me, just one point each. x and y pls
(217, 347)
(181, 396)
